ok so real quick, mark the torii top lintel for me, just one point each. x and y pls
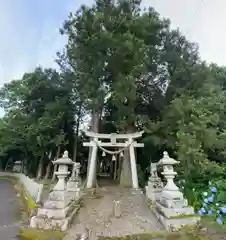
(115, 135)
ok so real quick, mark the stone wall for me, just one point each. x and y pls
(33, 188)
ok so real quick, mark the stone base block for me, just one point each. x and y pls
(42, 222)
(72, 185)
(57, 196)
(173, 212)
(136, 191)
(173, 203)
(55, 213)
(158, 194)
(175, 224)
(52, 213)
(50, 204)
(172, 195)
(153, 193)
(49, 224)
(74, 194)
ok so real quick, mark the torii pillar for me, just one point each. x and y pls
(129, 143)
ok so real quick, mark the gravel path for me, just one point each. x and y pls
(9, 212)
(97, 215)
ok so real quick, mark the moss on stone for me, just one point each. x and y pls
(144, 236)
(34, 234)
(159, 236)
(149, 202)
(184, 216)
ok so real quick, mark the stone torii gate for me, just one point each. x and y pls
(129, 143)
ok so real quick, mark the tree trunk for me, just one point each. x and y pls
(40, 168)
(48, 169)
(126, 174)
(25, 166)
(55, 166)
(77, 132)
(7, 164)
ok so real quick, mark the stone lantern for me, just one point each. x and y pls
(58, 210)
(62, 172)
(172, 209)
(170, 190)
(17, 167)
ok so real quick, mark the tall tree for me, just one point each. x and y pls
(40, 102)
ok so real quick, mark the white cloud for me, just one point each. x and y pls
(15, 42)
(30, 38)
(26, 43)
(202, 21)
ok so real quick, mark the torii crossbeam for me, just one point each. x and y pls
(128, 143)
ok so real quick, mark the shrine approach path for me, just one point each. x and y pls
(9, 211)
(97, 215)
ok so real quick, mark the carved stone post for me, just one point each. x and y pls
(117, 209)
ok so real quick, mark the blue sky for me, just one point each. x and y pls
(30, 34)
(30, 30)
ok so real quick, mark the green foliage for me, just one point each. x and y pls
(141, 176)
(36, 107)
(125, 66)
(212, 200)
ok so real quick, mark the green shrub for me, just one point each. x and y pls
(208, 199)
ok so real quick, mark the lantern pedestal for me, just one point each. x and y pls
(58, 210)
(172, 209)
(55, 214)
